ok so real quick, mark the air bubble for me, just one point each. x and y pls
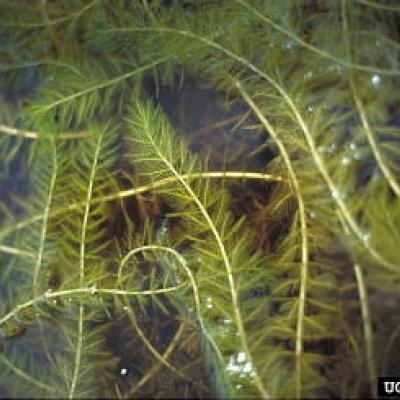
(337, 195)
(248, 368)
(376, 80)
(241, 357)
(353, 146)
(308, 75)
(366, 237)
(289, 45)
(332, 148)
(339, 70)
(239, 365)
(355, 152)
(346, 160)
(209, 303)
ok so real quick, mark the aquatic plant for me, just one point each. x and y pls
(256, 260)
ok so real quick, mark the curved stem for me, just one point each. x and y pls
(84, 290)
(367, 325)
(363, 116)
(303, 229)
(183, 263)
(131, 192)
(10, 130)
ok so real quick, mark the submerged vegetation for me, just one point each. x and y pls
(145, 252)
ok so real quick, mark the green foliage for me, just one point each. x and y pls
(130, 266)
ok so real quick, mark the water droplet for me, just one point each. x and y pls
(124, 371)
(313, 215)
(125, 308)
(54, 301)
(239, 386)
(310, 109)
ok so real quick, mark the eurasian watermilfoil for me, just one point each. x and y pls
(131, 251)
